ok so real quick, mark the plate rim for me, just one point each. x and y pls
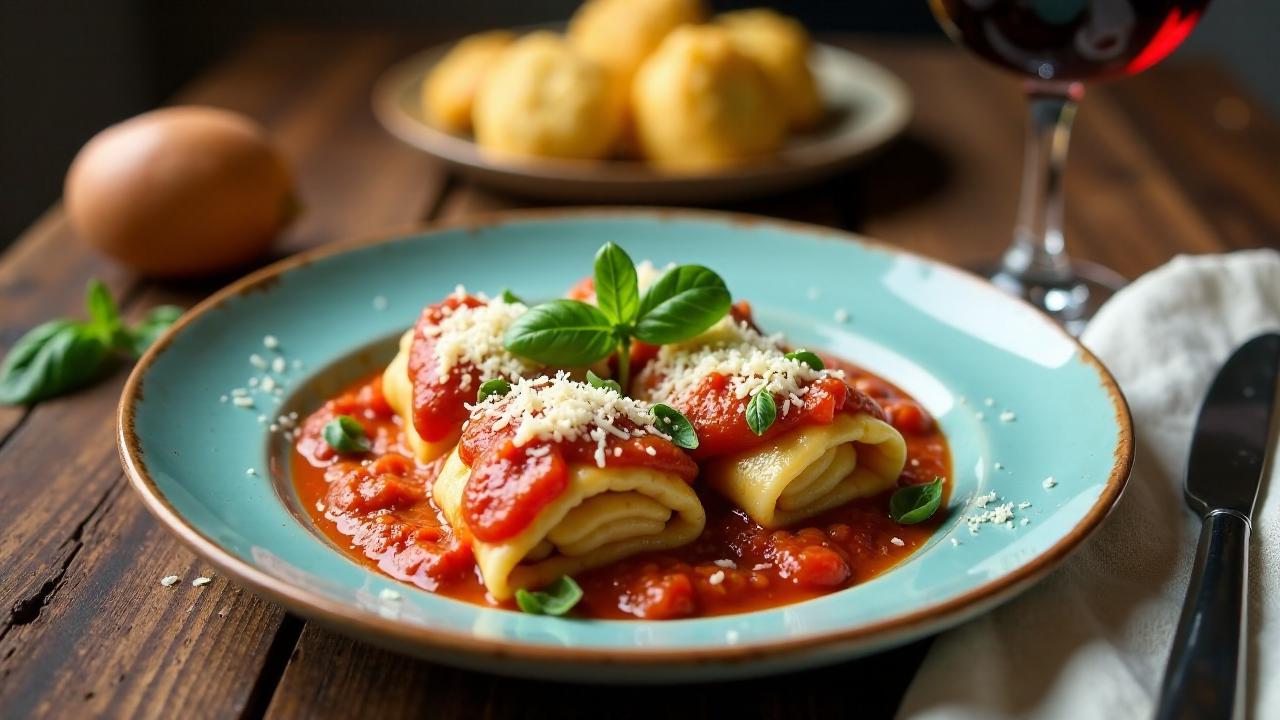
(462, 152)
(373, 627)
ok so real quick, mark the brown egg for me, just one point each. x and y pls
(180, 191)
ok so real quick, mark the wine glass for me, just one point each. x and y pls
(1055, 45)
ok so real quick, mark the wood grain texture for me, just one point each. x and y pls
(90, 629)
(1177, 160)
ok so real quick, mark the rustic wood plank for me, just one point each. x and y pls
(90, 629)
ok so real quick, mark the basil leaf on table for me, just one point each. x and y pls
(557, 598)
(806, 357)
(346, 435)
(673, 422)
(562, 332)
(146, 332)
(761, 411)
(496, 386)
(63, 355)
(915, 503)
(51, 359)
(617, 286)
(682, 303)
(596, 381)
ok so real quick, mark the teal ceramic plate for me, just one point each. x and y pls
(1019, 400)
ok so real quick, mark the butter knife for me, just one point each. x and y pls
(1205, 678)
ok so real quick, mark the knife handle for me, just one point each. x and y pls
(1205, 676)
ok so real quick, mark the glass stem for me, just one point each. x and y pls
(1037, 255)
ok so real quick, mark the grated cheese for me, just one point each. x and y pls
(726, 564)
(558, 409)
(750, 360)
(473, 337)
(897, 541)
(1049, 482)
(716, 577)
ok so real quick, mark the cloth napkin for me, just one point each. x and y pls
(1092, 640)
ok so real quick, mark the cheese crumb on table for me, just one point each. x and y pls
(169, 580)
(201, 581)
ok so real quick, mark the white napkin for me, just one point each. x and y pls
(1091, 641)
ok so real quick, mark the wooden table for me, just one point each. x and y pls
(1176, 161)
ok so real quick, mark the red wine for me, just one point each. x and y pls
(1070, 39)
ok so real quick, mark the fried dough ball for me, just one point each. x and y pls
(449, 91)
(699, 103)
(780, 46)
(620, 34)
(541, 98)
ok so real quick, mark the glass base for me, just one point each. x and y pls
(1071, 303)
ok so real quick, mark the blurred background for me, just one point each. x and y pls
(71, 68)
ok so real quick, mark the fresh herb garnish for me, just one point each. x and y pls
(509, 297)
(496, 386)
(672, 422)
(346, 435)
(915, 503)
(557, 598)
(813, 361)
(682, 303)
(63, 355)
(761, 411)
(596, 381)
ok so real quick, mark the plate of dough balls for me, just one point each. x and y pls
(654, 101)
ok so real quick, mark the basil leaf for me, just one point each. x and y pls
(104, 316)
(761, 411)
(617, 288)
(561, 332)
(682, 303)
(915, 503)
(509, 297)
(49, 360)
(146, 332)
(596, 381)
(806, 357)
(496, 386)
(672, 422)
(557, 598)
(346, 435)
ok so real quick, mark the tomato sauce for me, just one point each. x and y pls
(377, 508)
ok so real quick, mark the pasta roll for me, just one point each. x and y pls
(810, 468)
(604, 515)
(397, 388)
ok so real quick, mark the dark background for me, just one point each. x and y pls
(67, 69)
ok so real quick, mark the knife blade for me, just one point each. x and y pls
(1229, 447)
(1205, 678)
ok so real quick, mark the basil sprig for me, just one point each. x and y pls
(915, 503)
(64, 355)
(804, 356)
(761, 411)
(672, 422)
(596, 381)
(557, 598)
(346, 435)
(682, 303)
(496, 386)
